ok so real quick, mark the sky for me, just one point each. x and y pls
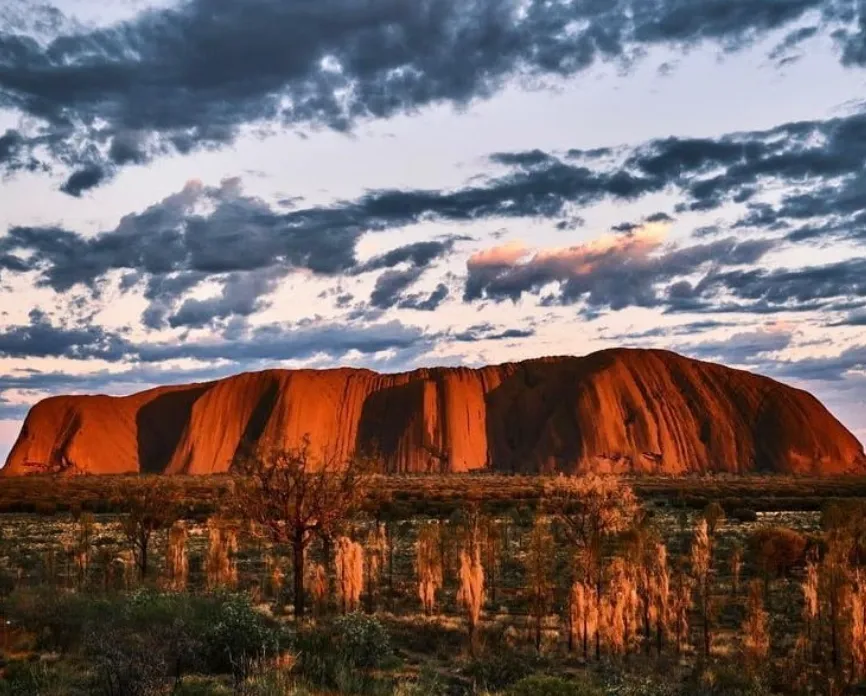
(194, 189)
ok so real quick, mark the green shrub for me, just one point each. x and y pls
(56, 618)
(724, 681)
(539, 685)
(339, 654)
(124, 662)
(238, 636)
(362, 641)
(42, 679)
(199, 686)
(623, 684)
(500, 669)
(428, 683)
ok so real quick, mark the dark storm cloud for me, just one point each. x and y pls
(242, 243)
(531, 158)
(193, 75)
(15, 155)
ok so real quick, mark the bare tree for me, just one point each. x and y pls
(176, 560)
(701, 557)
(428, 562)
(349, 559)
(291, 496)
(756, 633)
(590, 509)
(471, 593)
(150, 505)
(539, 570)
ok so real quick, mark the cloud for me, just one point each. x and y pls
(299, 341)
(613, 272)
(848, 364)
(241, 296)
(489, 332)
(277, 341)
(854, 318)
(425, 303)
(829, 286)
(40, 339)
(391, 285)
(689, 328)
(83, 180)
(246, 245)
(418, 254)
(744, 348)
(195, 74)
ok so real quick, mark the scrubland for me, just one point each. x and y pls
(440, 585)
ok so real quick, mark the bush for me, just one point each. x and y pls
(725, 681)
(57, 619)
(201, 687)
(337, 654)
(42, 678)
(428, 683)
(237, 636)
(777, 549)
(744, 515)
(124, 662)
(538, 685)
(500, 669)
(362, 640)
(635, 685)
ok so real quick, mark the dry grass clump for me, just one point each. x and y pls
(428, 563)
(349, 559)
(220, 567)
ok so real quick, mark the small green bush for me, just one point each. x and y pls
(724, 680)
(56, 618)
(238, 636)
(500, 669)
(362, 641)
(42, 679)
(341, 653)
(539, 685)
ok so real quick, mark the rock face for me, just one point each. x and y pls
(622, 410)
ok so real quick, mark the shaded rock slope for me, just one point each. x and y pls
(623, 410)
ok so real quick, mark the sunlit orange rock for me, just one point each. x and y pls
(615, 410)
